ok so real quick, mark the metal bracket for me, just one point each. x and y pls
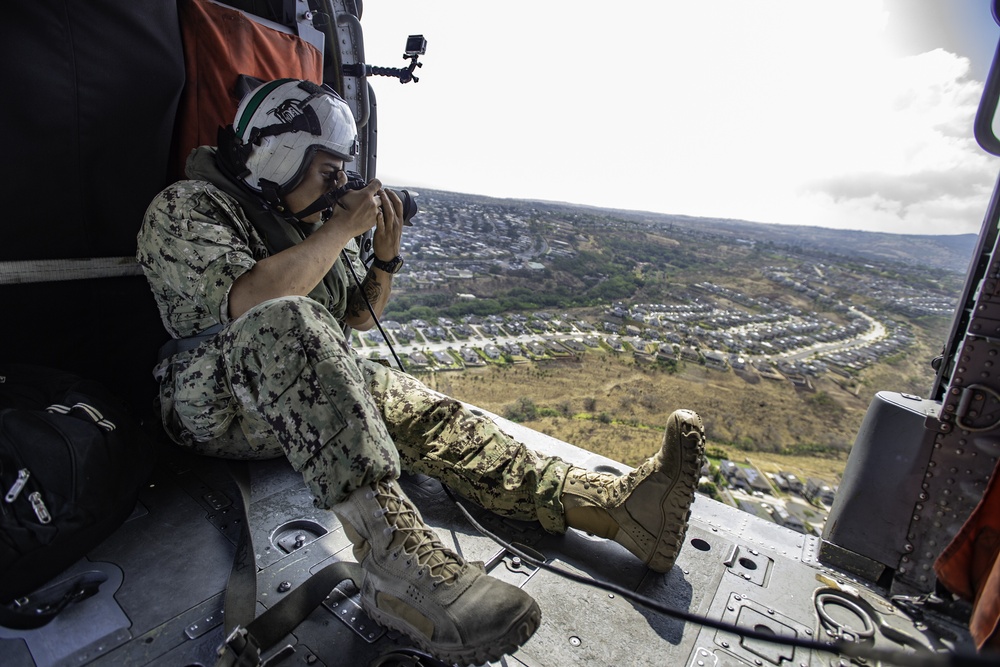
(748, 564)
(969, 394)
(511, 568)
(348, 609)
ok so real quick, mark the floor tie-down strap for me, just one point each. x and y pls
(244, 646)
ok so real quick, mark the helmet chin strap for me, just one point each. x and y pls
(325, 202)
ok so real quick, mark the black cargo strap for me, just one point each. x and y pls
(175, 345)
(250, 637)
(244, 646)
(30, 613)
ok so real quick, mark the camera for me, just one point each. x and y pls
(356, 181)
(416, 45)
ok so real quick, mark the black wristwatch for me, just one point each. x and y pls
(390, 267)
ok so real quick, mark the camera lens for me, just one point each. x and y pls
(409, 206)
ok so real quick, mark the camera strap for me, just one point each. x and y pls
(326, 201)
(371, 310)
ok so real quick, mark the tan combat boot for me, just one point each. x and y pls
(647, 510)
(414, 584)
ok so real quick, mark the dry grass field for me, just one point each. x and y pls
(614, 405)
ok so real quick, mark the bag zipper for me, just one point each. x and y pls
(38, 505)
(18, 486)
(35, 498)
(41, 511)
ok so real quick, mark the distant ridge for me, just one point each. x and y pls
(947, 252)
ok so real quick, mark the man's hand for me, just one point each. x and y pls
(359, 209)
(377, 284)
(388, 225)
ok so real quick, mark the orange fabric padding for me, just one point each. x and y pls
(221, 43)
(970, 566)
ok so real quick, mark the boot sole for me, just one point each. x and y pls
(675, 503)
(519, 632)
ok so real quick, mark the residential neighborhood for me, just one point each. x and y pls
(785, 343)
(853, 319)
(779, 497)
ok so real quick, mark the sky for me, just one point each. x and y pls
(855, 114)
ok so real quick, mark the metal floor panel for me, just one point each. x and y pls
(168, 565)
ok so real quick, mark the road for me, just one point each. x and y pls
(875, 332)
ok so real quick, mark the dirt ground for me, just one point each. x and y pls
(615, 406)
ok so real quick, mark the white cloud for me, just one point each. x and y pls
(777, 111)
(913, 161)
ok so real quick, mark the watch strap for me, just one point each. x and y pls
(392, 266)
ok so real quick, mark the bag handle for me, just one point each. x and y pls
(28, 613)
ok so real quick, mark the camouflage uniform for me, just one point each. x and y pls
(283, 380)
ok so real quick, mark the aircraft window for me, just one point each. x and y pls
(987, 126)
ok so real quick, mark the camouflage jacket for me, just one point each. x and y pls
(199, 236)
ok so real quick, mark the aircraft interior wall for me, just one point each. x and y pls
(89, 122)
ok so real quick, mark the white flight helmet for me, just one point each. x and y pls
(283, 123)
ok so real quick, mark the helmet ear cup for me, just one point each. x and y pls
(231, 154)
(282, 124)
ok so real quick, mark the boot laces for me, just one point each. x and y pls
(415, 539)
(602, 482)
(590, 478)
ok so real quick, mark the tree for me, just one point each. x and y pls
(709, 489)
(522, 410)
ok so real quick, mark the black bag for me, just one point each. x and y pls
(72, 461)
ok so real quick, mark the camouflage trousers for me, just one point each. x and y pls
(283, 380)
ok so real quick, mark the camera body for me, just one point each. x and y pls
(416, 45)
(356, 181)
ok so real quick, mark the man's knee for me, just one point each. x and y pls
(288, 313)
(289, 318)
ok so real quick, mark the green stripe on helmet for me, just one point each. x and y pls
(255, 102)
